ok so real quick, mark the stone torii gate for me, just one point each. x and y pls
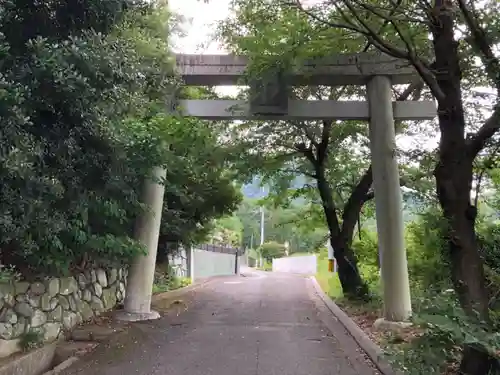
(270, 102)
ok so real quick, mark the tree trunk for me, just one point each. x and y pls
(453, 181)
(353, 285)
(352, 208)
(476, 362)
(454, 173)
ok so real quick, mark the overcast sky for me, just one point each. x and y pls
(200, 18)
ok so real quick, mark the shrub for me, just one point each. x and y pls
(270, 250)
(427, 261)
(165, 279)
(365, 246)
(445, 330)
(72, 157)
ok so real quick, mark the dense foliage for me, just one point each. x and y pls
(82, 93)
(271, 249)
(281, 224)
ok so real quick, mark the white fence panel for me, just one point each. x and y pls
(306, 265)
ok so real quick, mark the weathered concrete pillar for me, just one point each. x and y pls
(388, 202)
(137, 305)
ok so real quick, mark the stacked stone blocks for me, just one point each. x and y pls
(54, 305)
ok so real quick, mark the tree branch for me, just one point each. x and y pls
(422, 67)
(322, 147)
(297, 171)
(353, 205)
(371, 194)
(478, 141)
(307, 152)
(481, 42)
(415, 88)
(306, 131)
(486, 165)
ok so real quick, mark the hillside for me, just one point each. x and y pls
(253, 190)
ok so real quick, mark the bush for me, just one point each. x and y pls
(426, 251)
(82, 92)
(365, 246)
(489, 243)
(445, 329)
(267, 266)
(270, 250)
(165, 280)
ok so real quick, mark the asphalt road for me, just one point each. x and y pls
(261, 324)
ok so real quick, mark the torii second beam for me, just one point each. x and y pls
(304, 110)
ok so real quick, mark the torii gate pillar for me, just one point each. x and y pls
(137, 305)
(388, 203)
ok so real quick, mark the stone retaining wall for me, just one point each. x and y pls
(55, 305)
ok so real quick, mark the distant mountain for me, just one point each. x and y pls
(253, 190)
(412, 205)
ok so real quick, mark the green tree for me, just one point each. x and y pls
(227, 231)
(281, 224)
(82, 105)
(462, 33)
(71, 76)
(270, 250)
(447, 65)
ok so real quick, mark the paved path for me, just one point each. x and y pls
(262, 324)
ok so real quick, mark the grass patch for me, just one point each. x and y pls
(31, 340)
(165, 280)
(413, 350)
(268, 266)
(328, 281)
(171, 284)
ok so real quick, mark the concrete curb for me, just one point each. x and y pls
(62, 366)
(369, 347)
(34, 362)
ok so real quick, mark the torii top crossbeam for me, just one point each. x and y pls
(354, 69)
(347, 69)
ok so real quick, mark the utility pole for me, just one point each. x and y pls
(261, 226)
(261, 232)
(262, 218)
(251, 247)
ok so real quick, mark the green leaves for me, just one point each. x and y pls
(444, 328)
(82, 93)
(270, 250)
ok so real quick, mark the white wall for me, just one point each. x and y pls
(306, 265)
(208, 264)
